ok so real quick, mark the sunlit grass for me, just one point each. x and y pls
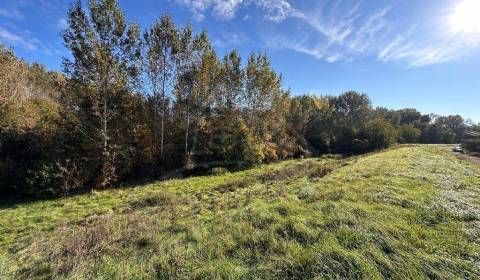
(408, 212)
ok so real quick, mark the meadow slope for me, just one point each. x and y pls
(410, 212)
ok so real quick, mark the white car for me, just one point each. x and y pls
(457, 149)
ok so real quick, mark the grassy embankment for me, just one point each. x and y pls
(408, 212)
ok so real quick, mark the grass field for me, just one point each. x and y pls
(411, 212)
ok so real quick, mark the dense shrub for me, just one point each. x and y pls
(321, 171)
(344, 139)
(218, 171)
(235, 142)
(360, 146)
(408, 133)
(380, 134)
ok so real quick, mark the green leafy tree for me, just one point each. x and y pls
(409, 116)
(453, 127)
(408, 133)
(13, 85)
(393, 116)
(231, 79)
(233, 141)
(161, 42)
(262, 87)
(103, 74)
(309, 122)
(380, 134)
(351, 109)
(350, 113)
(189, 100)
(206, 89)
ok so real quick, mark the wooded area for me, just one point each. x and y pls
(133, 104)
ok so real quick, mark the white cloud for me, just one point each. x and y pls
(332, 22)
(334, 58)
(229, 39)
(300, 46)
(392, 49)
(338, 31)
(14, 40)
(224, 9)
(346, 30)
(276, 10)
(343, 32)
(25, 41)
(418, 52)
(11, 13)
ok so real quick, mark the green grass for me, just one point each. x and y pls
(412, 212)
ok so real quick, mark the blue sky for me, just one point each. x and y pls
(405, 53)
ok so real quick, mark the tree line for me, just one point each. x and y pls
(133, 104)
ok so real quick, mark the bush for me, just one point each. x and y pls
(235, 142)
(380, 134)
(321, 171)
(344, 140)
(218, 171)
(270, 152)
(408, 133)
(25, 167)
(359, 146)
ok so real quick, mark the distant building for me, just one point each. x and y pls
(472, 135)
(471, 141)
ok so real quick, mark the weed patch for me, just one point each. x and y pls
(285, 173)
(321, 171)
(216, 171)
(235, 185)
(156, 199)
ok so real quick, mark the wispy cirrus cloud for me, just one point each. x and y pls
(24, 41)
(336, 32)
(11, 13)
(229, 39)
(340, 31)
(345, 33)
(437, 49)
(19, 24)
(12, 39)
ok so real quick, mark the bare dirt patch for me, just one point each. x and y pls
(474, 159)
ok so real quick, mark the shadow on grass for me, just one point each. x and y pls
(200, 169)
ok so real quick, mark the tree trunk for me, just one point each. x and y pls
(162, 120)
(104, 124)
(186, 136)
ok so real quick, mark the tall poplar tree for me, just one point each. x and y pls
(189, 59)
(103, 72)
(262, 86)
(232, 81)
(161, 42)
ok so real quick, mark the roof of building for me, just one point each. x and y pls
(473, 133)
